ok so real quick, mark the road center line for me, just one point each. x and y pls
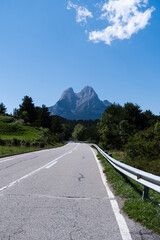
(49, 166)
(35, 171)
(125, 234)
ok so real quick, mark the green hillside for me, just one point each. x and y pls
(11, 128)
(16, 137)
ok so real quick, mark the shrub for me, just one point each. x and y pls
(27, 143)
(41, 144)
(15, 142)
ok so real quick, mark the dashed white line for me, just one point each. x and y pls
(125, 234)
(49, 166)
(35, 171)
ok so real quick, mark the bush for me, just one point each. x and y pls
(1, 142)
(15, 142)
(35, 143)
(144, 145)
(27, 143)
(41, 144)
(143, 151)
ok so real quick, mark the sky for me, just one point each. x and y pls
(47, 46)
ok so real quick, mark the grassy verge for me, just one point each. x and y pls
(151, 166)
(10, 150)
(146, 212)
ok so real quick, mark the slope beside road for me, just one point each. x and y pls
(61, 194)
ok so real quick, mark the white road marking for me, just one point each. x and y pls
(125, 234)
(49, 166)
(35, 171)
(110, 194)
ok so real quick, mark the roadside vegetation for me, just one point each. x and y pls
(132, 136)
(29, 128)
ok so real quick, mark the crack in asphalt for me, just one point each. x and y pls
(80, 177)
(57, 197)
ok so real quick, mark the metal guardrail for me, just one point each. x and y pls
(147, 179)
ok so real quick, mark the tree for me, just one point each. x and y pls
(2, 108)
(27, 110)
(108, 127)
(79, 132)
(67, 131)
(118, 123)
(133, 114)
(150, 119)
(43, 118)
(124, 131)
(15, 112)
(56, 125)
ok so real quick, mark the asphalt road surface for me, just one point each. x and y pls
(61, 194)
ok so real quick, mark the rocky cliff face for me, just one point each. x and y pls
(75, 106)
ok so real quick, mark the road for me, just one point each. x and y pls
(60, 194)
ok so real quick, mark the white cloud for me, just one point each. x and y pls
(81, 12)
(125, 17)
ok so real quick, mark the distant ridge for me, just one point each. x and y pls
(84, 105)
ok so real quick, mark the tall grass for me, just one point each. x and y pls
(12, 130)
(15, 137)
(6, 150)
(10, 150)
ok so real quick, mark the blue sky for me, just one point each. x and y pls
(47, 46)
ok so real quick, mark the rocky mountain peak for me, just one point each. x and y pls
(68, 93)
(84, 105)
(88, 92)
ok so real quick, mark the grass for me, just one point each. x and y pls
(10, 150)
(151, 166)
(16, 130)
(15, 137)
(6, 119)
(5, 150)
(146, 212)
(13, 133)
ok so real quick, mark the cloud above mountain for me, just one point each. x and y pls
(122, 18)
(82, 13)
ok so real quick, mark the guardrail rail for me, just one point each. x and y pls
(149, 180)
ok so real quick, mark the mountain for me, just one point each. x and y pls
(79, 106)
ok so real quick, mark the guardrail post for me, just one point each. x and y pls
(145, 192)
